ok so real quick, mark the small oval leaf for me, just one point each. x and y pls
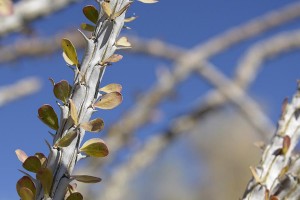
(109, 101)
(44, 175)
(112, 59)
(86, 178)
(22, 156)
(73, 112)
(95, 125)
(91, 13)
(26, 194)
(123, 42)
(32, 164)
(87, 27)
(62, 90)
(70, 51)
(48, 116)
(106, 8)
(130, 19)
(95, 148)
(75, 196)
(113, 87)
(43, 159)
(66, 140)
(25, 182)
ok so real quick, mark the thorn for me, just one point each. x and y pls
(80, 156)
(49, 146)
(33, 179)
(52, 81)
(255, 175)
(84, 36)
(126, 27)
(260, 144)
(53, 135)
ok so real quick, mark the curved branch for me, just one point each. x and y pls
(26, 11)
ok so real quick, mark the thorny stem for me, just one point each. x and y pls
(84, 94)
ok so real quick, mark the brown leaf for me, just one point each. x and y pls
(109, 101)
(95, 125)
(113, 87)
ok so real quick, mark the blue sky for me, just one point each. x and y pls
(182, 23)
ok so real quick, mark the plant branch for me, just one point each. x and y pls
(26, 11)
(19, 90)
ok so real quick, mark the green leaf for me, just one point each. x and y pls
(48, 116)
(62, 91)
(75, 196)
(26, 194)
(44, 175)
(86, 178)
(113, 87)
(95, 125)
(109, 101)
(95, 148)
(22, 156)
(91, 13)
(32, 164)
(87, 27)
(69, 51)
(25, 182)
(66, 140)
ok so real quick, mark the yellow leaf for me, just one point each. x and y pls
(73, 112)
(95, 147)
(94, 125)
(26, 194)
(106, 8)
(123, 41)
(109, 101)
(70, 52)
(87, 27)
(113, 87)
(130, 19)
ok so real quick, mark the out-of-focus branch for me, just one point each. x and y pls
(277, 176)
(19, 90)
(251, 62)
(116, 186)
(29, 10)
(38, 46)
(233, 93)
(187, 63)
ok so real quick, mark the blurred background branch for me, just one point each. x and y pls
(18, 90)
(26, 11)
(148, 156)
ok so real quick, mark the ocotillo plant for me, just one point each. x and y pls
(53, 174)
(277, 175)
